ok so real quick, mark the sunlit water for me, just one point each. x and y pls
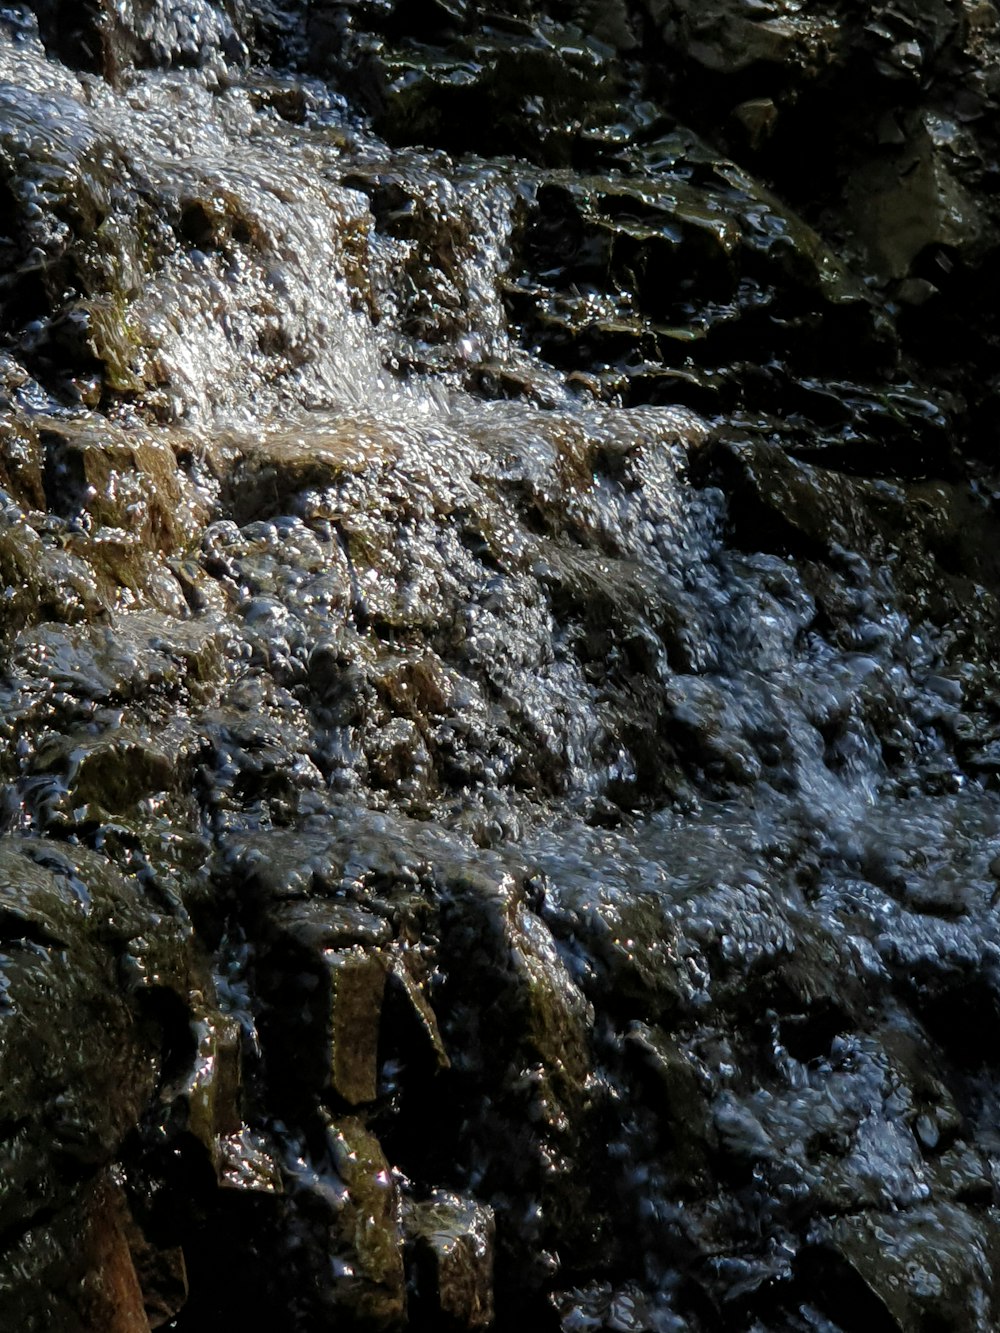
(764, 900)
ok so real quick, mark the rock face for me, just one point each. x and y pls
(499, 732)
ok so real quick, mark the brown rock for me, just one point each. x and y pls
(73, 1273)
(369, 1235)
(452, 1240)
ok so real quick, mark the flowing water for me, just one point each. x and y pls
(457, 756)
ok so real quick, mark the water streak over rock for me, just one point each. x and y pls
(499, 720)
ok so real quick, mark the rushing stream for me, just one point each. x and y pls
(501, 610)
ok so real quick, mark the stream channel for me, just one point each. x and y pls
(499, 706)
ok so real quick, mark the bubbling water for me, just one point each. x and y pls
(335, 624)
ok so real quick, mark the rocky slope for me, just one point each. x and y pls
(499, 714)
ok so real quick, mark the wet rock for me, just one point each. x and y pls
(599, 1306)
(603, 282)
(270, 479)
(114, 772)
(523, 1054)
(249, 1162)
(368, 1237)
(911, 1274)
(338, 986)
(533, 1002)
(205, 1102)
(909, 201)
(65, 924)
(633, 944)
(71, 927)
(730, 36)
(108, 39)
(104, 672)
(680, 1089)
(452, 1242)
(290, 865)
(782, 504)
(68, 268)
(98, 477)
(758, 117)
(499, 68)
(357, 981)
(21, 463)
(407, 974)
(40, 578)
(75, 1270)
(318, 925)
(163, 1278)
(474, 811)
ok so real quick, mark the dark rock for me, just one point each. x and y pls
(162, 1276)
(732, 35)
(76, 1056)
(338, 988)
(927, 1270)
(73, 1272)
(465, 816)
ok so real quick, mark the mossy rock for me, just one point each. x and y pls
(452, 1239)
(22, 462)
(368, 1234)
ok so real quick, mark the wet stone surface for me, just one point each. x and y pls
(499, 735)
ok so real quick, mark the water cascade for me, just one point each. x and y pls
(500, 732)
